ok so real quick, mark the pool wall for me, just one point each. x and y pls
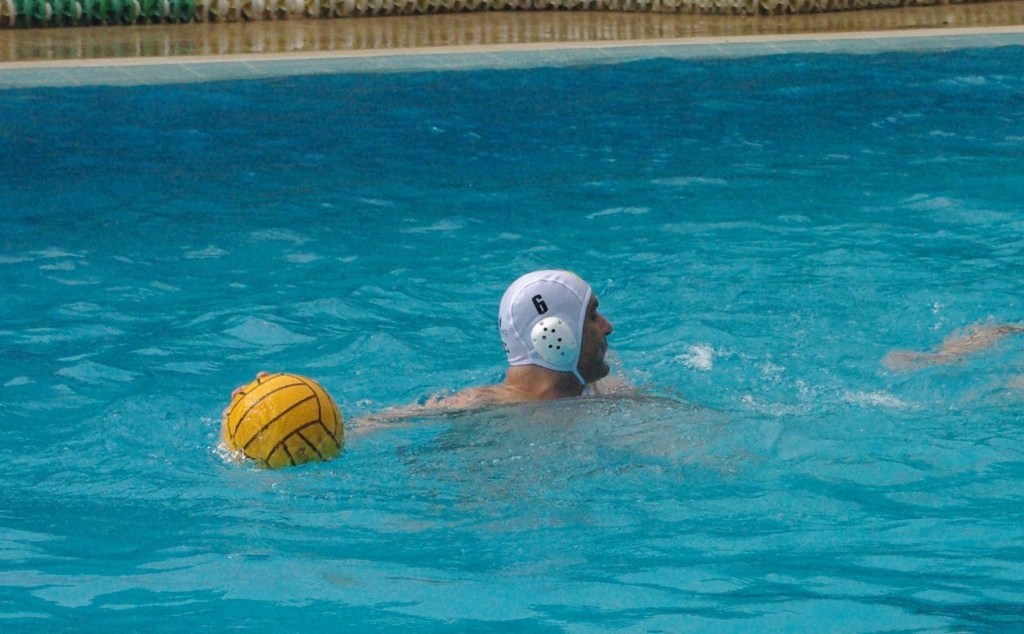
(50, 13)
(134, 71)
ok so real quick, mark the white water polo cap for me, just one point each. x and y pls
(541, 320)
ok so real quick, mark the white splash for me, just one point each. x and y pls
(699, 356)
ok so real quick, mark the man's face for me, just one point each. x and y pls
(592, 365)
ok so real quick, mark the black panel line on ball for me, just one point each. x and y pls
(281, 443)
(251, 407)
(275, 419)
(283, 448)
(312, 386)
(330, 434)
(260, 380)
(319, 455)
(320, 412)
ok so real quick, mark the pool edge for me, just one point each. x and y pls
(130, 71)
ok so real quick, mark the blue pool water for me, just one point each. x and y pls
(760, 231)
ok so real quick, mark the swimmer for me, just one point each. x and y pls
(556, 343)
(953, 348)
(555, 340)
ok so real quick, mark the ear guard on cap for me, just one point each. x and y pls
(554, 342)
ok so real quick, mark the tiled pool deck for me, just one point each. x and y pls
(133, 55)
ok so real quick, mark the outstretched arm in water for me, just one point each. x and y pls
(953, 348)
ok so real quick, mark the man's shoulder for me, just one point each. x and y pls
(477, 397)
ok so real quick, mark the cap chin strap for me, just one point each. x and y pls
(554, 342)
(576, 373)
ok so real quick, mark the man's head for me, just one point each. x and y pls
(549, 318)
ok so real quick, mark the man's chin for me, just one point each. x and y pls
(598, 373)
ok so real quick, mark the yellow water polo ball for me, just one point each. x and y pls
(282, 420)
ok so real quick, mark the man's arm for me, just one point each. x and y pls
(953, 348)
